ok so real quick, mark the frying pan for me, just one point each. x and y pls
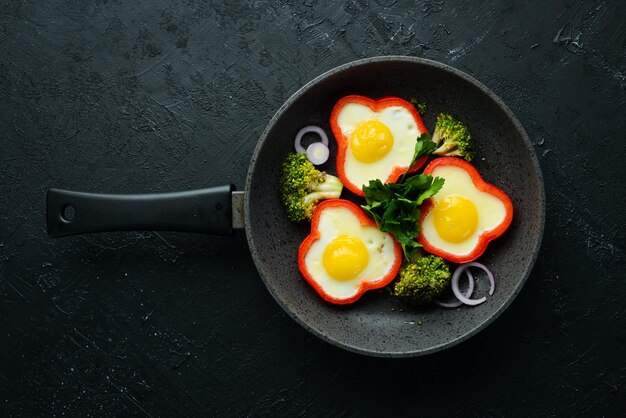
(377, 324)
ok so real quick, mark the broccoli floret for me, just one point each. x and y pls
(452, 138)
(302, 186)
(422, 280)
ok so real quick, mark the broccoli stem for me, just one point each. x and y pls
(330, 184)
(436, 138)
(330, 188)
(446, 149)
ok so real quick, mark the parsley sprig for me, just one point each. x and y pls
(395, 206)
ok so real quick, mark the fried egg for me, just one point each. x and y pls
(459, 221)
(346, 254)
(376, 139)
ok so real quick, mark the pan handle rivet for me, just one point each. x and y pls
(68, 213)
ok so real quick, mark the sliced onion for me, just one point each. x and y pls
(455, 283)
(492, 282)
(317, 153)
(468, 293)
(311, 128)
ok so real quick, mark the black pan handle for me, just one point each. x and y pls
(206, 210)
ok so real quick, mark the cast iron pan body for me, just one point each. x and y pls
(377, 324)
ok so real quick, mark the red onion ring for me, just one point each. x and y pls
(455, 283)
(468, 293)
(311, 128)
(317, 153)
(490, 277)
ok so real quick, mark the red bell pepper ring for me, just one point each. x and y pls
(365, 284)
(481, 185)
(342, 141)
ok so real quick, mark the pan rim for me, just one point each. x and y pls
(265, 276)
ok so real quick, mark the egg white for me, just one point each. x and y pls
(342, 221)
(491, 210)
(404, 129)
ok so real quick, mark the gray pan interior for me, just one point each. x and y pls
(377, 324)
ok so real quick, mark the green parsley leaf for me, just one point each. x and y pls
(395, 207)
(376, 191)
(435, 186)
(423, 146)
(420, 106)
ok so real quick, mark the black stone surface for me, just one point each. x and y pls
(129, 97)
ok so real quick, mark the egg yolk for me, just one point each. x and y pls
(371, 141)
(455, 218)
(345, 257)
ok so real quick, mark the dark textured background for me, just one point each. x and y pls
(172, 95)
